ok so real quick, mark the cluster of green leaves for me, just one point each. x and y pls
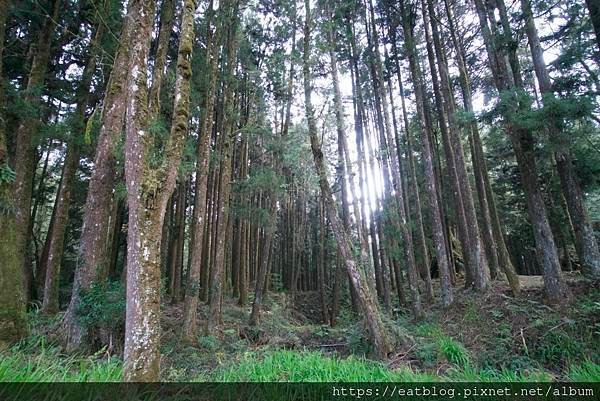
(103, 307)
(443, 345)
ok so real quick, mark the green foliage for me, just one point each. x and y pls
(464, 118)
(209, 343)
(584, 372)
(447, 348)
(302, 366)
(556, 347)
(7, 174)
(470, 374)
(453, 351)
(358, 343)
(103, 307)
(471, 312)
(34, 360)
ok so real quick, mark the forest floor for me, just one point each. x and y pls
(493, 337)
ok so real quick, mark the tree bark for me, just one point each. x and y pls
(13, 323)
(167, 11)
(216, 293)
(475, 250)
(487, 204)
(93, 254)
(63, 198)
(523, 145)
(441, 250)
(261, 275)
(149, 188)
(388, 148)
(25, 144)
(201, 235)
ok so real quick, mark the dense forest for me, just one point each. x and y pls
(323, 190)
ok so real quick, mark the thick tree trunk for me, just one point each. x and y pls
(368, 305)
(587, 247)
(93, 254)
(149, 188)
(13, 323)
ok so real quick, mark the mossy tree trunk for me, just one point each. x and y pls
(149, 187)
(13, 324)
(92, 265)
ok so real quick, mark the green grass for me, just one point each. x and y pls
(47, 364)
(310, 366)
(453, 351)
(469, 374)
(585, 372)
(446, 347)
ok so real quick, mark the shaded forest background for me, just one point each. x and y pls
(413, 181)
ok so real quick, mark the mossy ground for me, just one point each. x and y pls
(493, 337)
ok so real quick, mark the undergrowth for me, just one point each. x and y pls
(512, 341)
(34, 360)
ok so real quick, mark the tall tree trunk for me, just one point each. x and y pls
(167, 11)
(25, 144)
(587, 247)
(523, 145)
(368, 305)
(261, 275)
(475, 250)
(389, 149)
(13, 323)
(93, 254)
(177, 241)
(223, 206)
(321, 263)
(63, 198)
(439, 239)
(484, 190)
(200, 227)
(149, 188)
